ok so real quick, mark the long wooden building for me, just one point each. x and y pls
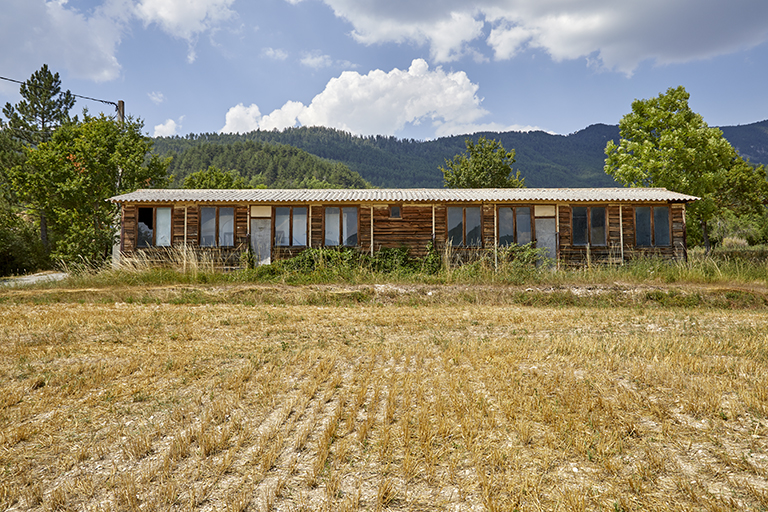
(574, 225)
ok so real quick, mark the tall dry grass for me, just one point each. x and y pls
(115, 406)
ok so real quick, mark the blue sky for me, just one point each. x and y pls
(418, 69)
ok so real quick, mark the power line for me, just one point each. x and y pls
(116, 105)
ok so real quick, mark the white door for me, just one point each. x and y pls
(546, 236)
(261, 238)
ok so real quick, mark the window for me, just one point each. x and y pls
(588, 223)
(395, 212)
(291, 226)
(217, 226)
(514, 225)
(464, 226)
(340, 226)
(154, 227)
(652, 226)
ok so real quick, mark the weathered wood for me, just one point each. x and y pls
(414, 230)
(177, 226)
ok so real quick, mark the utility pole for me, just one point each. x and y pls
(118, 244)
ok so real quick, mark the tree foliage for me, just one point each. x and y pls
(42, 109)
(213, 177)
(264, 164)
(32, 121)
(485, 164)
(665, 144)
(71, 176)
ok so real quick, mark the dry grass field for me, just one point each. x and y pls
(466, 404)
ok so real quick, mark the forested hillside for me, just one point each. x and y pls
(273, 165)
(545, 160)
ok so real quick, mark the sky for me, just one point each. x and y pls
(412, 69)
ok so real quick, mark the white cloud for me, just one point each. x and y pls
(619, 35)
(35, 31)
(316, 60)
(168, 128)
(275, 54)
(156, 97)
(84, 42)
(242, 119)
(379, 103)
(185, 19)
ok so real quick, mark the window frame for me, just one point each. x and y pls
(290, 226)
(399, 209)
(652, 225)
(515, 226)
(217, 226)
(153, 242)
(464, 208)
(589, 233)
(342, 235)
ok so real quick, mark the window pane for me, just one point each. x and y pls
(643, 225)
(207, 227)
(506, 227)
(456, 226)
(299, 226)
(144, 228)
(282, 226)
(226, 227)
(349, 226)
(474, 236)
(661, 225)
(579, 225)
(163, 230)
(597, 220)
(394, 212)
(524, 235)
(332, 234)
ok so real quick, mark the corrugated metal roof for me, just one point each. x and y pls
(394, 195)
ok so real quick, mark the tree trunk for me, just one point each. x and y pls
(705, 237)
(44, 232)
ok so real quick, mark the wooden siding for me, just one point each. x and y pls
(621, 226)
(317, 226)
(414, 230)
(130, 219)
(177, 225)
(193, 225)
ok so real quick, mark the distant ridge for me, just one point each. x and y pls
(544, 159)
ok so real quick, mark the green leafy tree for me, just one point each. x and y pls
(485, 164)
(43, 108)
(665, 144)
(213, 177)
(32, 121)
(76, 171)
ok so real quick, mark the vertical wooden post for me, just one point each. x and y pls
(371, 231)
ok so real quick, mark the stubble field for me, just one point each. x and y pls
(380, 405)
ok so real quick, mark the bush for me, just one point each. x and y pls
(21, 250)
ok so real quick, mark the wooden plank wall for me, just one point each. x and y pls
(412, 230)
(488, 225)
(679, 241)
(193, 225)
(364, 227)
(177, 225)
(130, 225)
(317, 226)
(577, 255)
(242, 219)
(564, 221)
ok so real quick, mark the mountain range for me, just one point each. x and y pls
(544, 159)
